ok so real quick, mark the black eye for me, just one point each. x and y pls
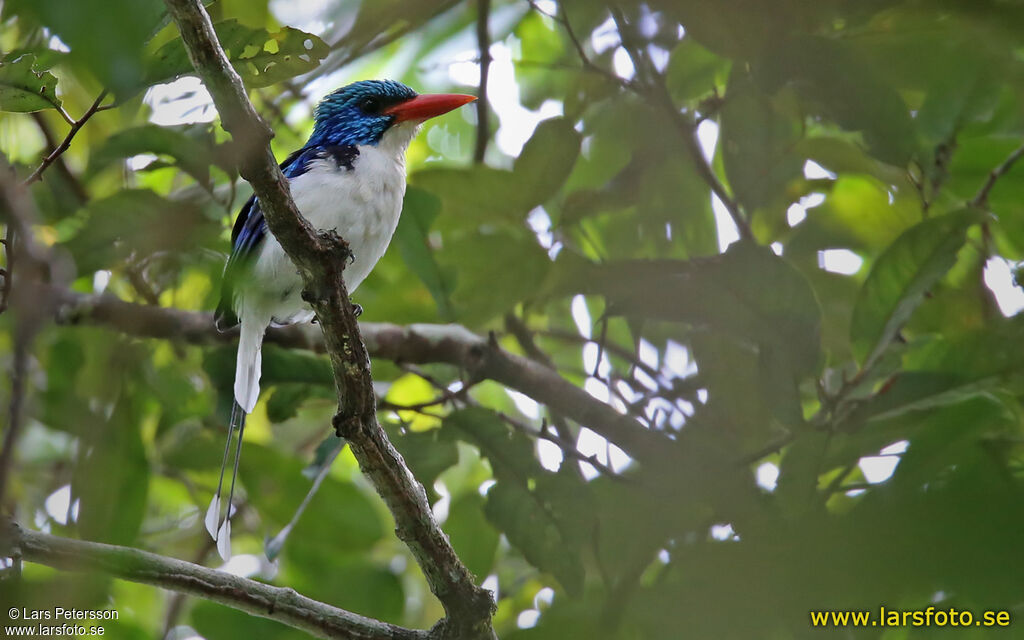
(369, 104)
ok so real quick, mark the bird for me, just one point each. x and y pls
(348, 177)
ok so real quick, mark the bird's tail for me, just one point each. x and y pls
(219, 529)
(246, 391)
(249, 363)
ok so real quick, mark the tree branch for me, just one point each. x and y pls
(450, 344)
(981, 199)
(321, 259)
(76, 125)
(33, 267)
(276, 603)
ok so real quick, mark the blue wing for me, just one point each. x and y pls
(250, 228)
(246, 236)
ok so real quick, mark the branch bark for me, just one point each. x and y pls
(450, 344)
(276, 603)
(483, 39)
(76, 125)
(321, 259)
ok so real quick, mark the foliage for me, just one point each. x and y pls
(829, 437)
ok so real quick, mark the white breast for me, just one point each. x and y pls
(362, 205)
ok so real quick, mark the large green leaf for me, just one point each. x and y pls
(23, 88)
(192, 153)
(262, 58)
(106, 37)
(494, 271)
(474, 539)
(353, 581)
(428, 454)
(901, 276)
(139, 222)
(339, 515)
(835, 81)
(534, 530)
(758, 134)
(693, 71)
(485, 193)
(748, 293)
(419, 211)
(944, 369)
(112, 480)
(509, 452)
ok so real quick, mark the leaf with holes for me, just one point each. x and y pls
(23, 89)
(262, 58)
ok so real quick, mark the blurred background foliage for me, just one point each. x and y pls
(837, 394)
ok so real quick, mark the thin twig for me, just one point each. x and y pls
(76, 125)
(567, 447)
(15, 412)
(483, 39)
(653, 85)
(8, 271)
(981, 199)
(33, 266)
(62, 168)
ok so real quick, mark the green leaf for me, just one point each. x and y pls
(485, 193)
(534, 531)
(24, 89)
(510, 452)
(944, 369)
(191, 154)
(901, 276)
(748, 293)
(494, 272)
(757, 139)
(288, 365)
(139, 222)
(262, 58)
(112, 481)
(693, 71)
(326, 453)
(428, 454)
(474, 539)
(419, 211)
(352, 581)
(284, 403)
(834, 81)
(106, 37)
(547, 159)
(214, 620)
(339, 515)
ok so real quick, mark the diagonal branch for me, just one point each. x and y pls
(451, 344)
(652, 84)
(980, 200)
(76, 125)
(321, 259)
(276, 603)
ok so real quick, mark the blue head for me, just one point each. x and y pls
(359, 114)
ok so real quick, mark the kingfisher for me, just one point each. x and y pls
(349, 177)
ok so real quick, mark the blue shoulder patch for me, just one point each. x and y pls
(250, 227)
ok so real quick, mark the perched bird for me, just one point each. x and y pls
(349, 177)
